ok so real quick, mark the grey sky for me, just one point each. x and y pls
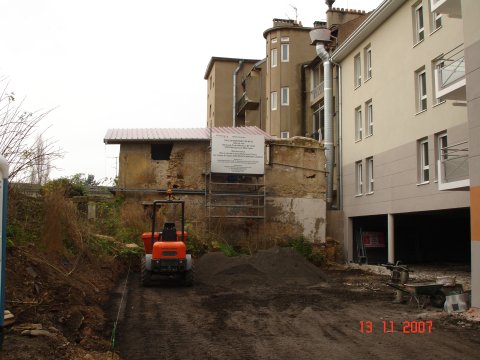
(125, 63)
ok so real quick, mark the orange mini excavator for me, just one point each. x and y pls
(165, 251)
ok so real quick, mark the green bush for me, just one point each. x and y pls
(300, 244)
(228, 249)
(305, 248)
(67, 186)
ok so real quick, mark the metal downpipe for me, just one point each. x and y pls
(328, 105)
(234, 101)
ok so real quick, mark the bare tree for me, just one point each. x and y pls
(40, 169)
(26, 157)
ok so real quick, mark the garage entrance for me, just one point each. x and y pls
(439, 237)
(432, 237)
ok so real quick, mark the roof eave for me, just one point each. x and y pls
(372, 22)
(213, 59)
(149, 141)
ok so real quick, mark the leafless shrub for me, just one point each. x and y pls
(27, 158)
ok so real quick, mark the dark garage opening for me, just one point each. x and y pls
(434, 237)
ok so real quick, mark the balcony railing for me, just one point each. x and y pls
(450, 78)
(317, 92)
(453, 171)
(452, 72)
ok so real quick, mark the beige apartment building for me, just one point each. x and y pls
(288, 49)
(405, 143)
(225, 87)
(266, 93)
(283, 94)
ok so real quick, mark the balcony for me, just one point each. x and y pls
(451, 8)
(246, 104)
(317, 93)
(450, 81)
(453, 168)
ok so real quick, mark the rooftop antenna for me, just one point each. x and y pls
(296, 12)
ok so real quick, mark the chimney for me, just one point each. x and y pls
(329, 3)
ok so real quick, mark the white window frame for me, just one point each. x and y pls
(441, 137)
(274, 40)
(424, 162)
(273, 100)
(285, 96)
(273, 58)
(284, 52)
(419, 23)
(370, 179)
(436, 65)
(441, 142)
(434, 18)
(421, 76)
(368, 63)
(284, 134)
(357, 71)
(359, 178)
(319, 112)
(369, 117)
(358, 124)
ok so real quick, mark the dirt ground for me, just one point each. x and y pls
(58, 304)
(275, 305)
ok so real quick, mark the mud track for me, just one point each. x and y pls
(242, 309)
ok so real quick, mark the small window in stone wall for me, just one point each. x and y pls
(161, 151)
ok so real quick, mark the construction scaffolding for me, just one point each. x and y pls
(236, 201)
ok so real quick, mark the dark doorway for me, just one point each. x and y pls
(433, 237)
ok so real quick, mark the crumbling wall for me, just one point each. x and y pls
(294, 217)
(184, 170)
(295, 180)
(146, 180)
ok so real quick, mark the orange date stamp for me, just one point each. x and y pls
(390, 326)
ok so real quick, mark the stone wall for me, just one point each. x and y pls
(184, 170)
(295, 180)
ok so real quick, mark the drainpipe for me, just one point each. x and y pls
(339, 127)
(328, 102)
(234, 101)
(303, 115)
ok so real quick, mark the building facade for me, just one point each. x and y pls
(288, 49)
(404, 145)
(224, 89)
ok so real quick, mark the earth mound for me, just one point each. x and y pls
(275, 266)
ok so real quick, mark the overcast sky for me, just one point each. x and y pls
(123, 63)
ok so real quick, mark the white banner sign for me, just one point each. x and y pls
(238, 154)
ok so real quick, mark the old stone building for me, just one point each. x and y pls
(286, 200)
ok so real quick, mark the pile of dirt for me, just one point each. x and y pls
(272, 267)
